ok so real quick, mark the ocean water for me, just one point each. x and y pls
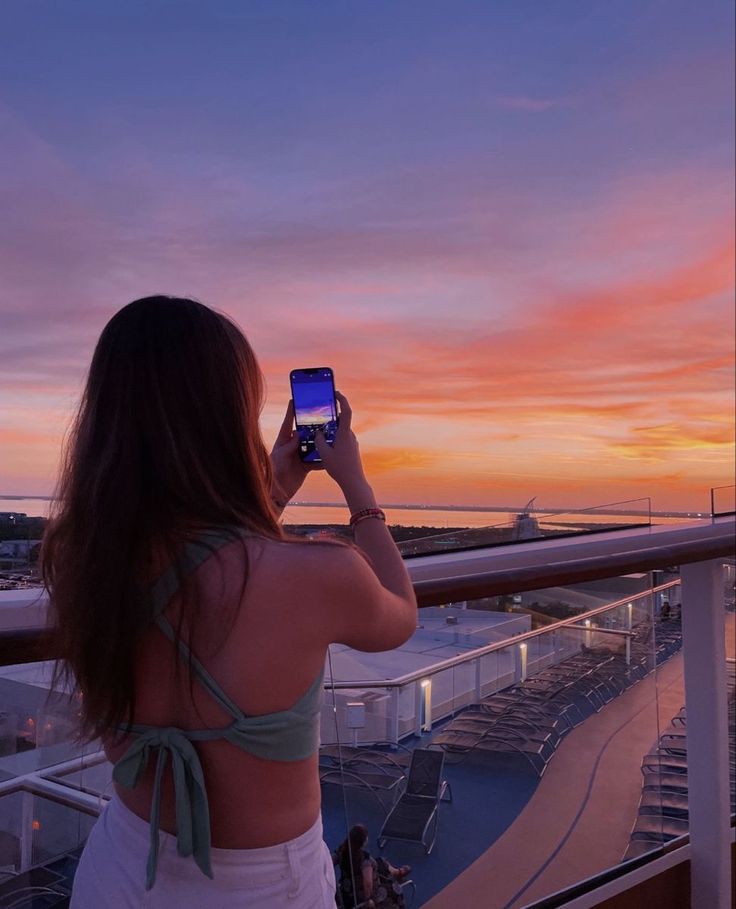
(34, 507)
(410, 517)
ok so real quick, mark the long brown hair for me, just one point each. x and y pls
(166, 440)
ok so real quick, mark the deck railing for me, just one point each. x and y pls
(699, 551)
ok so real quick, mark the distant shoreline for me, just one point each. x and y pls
(473, 508)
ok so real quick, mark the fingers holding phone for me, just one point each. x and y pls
(345, 411)
(341, 457)
(288, 470)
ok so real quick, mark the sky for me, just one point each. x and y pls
(507, 227)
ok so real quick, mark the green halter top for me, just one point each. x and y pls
(288, 735)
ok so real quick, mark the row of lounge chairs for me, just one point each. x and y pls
(663, 807)
(377, 770)
(527, 721)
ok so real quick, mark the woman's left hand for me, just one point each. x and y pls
(289, 471)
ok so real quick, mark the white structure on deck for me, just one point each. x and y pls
(442, 633)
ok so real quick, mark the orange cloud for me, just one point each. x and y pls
(633, 303)
(658, 443)
(24, 438)
(563, 359)
(391, 460)
(636, 373)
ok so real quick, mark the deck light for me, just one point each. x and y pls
(522, 660)
(426, 705)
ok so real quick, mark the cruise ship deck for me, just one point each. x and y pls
(532, 816)
(534, 836)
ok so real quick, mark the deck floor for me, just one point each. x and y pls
(509, 838)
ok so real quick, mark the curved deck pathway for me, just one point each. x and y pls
(578, 821)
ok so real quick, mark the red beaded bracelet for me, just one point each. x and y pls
(365, 514)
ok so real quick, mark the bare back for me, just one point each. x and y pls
(272, 654)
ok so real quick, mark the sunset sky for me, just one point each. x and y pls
(507, 227)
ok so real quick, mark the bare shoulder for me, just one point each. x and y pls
(300, 582)
(333, 589)
(320, 563)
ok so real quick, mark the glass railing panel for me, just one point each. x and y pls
(37, 835)
(586, 717)
(661, 807)
(552, 742)
(41, 834)
(552, 739)
(423, 530)
(723, 500)
(37, 725)
(362, 764)
(56, 829)
(532, 523)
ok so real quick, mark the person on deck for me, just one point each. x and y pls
(367, 882)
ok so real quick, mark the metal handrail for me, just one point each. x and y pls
(26, 645)
(525, 636)
(705, 542)
(516, 579)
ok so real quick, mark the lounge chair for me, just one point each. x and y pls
(658, 828)
(364, 769)
(670, 804)
(662, 781)
(357, 773)
(416, 813)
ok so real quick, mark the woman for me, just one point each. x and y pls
(192, 629)
(366, 882)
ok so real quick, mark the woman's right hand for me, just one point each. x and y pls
(342, 460)
(382, 611)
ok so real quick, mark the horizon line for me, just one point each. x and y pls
(403, 506)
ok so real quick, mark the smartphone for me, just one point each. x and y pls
(315, 407)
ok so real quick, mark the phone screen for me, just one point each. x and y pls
(313, 393)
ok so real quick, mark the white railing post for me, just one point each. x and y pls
(704, 649)
(478, 682)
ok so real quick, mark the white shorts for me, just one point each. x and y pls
(112, 871)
